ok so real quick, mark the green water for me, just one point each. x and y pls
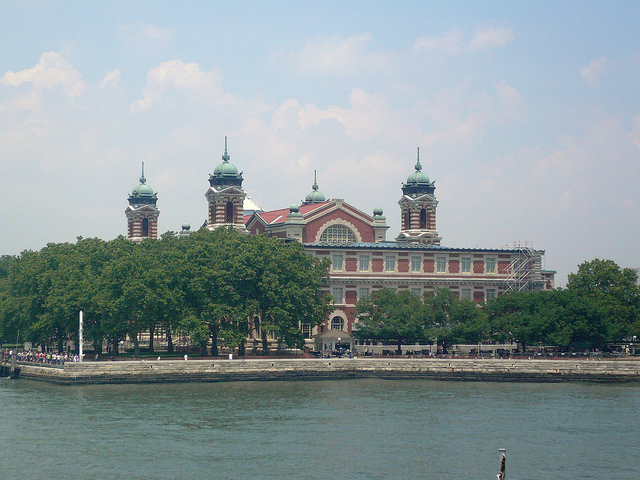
(352, 429)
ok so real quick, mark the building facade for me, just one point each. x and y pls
(362, 259)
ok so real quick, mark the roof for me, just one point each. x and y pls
(403, 246)
(279, 216)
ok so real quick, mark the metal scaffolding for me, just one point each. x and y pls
(525, 270)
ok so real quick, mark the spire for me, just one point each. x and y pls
(142, 179)
(225, 157)
(418, 166)
(315, 181)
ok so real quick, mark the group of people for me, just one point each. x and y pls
(40, 357)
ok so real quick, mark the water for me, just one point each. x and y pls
(354, 429)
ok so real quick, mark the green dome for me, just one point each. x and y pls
(315, 196)
(418, 183)
(143, 194)
(226, 173)
(226, 168)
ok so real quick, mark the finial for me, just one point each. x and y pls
(315, 182)
(142, 179)
(418, 166)
(225, 157)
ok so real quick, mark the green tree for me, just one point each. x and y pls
(391, 315)
(613, 288)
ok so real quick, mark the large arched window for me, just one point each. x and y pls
(145, 227)
(337, 323)
(338, 234)
(423, 218)
(229, 212)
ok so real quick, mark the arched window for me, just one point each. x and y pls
(338, 234)
(407, 220)
(337, 323)
(423, 218)
(229, 212)
(145, 227)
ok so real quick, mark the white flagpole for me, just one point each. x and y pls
(81, 341)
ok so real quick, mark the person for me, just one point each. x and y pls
(231, 356)
(158, 357)
(185, 357)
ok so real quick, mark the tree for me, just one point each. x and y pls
(391, 315)
(613, 288)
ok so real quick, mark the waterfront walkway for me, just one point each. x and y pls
(218, 369)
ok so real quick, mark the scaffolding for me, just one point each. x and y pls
(525, 270)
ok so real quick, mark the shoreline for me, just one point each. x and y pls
(219, 370)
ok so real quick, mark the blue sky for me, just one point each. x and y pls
(527, 115)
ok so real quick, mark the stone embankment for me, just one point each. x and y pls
(218, 370)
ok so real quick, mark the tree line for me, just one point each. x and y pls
(219, 287)
(599, 306)
(216, 287)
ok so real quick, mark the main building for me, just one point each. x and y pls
(362, 259)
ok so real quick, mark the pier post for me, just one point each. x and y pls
(502, 458)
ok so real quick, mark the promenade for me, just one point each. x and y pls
(221, 370)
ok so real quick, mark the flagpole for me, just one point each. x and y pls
(81, 340)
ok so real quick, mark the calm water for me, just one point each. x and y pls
(355, 429)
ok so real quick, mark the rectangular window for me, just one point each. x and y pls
(416, 291)
(465, 294)
(416, 263)
(441, 264)
(465, 265)
(363, 293)
(336, 262)
(490, 265)
(306, 330)
(390, 263)
(337, 294)
(490, 294)
(363, 263)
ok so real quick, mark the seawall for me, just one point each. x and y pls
(219, 370)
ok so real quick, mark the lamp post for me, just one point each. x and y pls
(633, 346)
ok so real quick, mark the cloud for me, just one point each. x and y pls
(112, 78)
(335, 54)
(450, 43)
(594, 72)
(634, 135)
(144, 34)
(52, 70)
(489, 37)
(178, 76)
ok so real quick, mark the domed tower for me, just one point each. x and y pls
(418, 209)
(226, 196)
(142, 212)
(315, 196)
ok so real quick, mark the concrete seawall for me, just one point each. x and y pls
(218, 370)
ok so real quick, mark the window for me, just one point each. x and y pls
(363, 263)
(337, 294)
(415, 291)
(336, 262)
(490, 265)
(416, 263)
(465, 294)
(423, 218)
(337, 323)
(465, 265)
(306, 330)
(363, 292)
(337, 234)
(407, 220)
(441, 264)
(145, 227)
(490, 294)
(229, 212)
(389, 263)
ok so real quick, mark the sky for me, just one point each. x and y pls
(526, 114)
